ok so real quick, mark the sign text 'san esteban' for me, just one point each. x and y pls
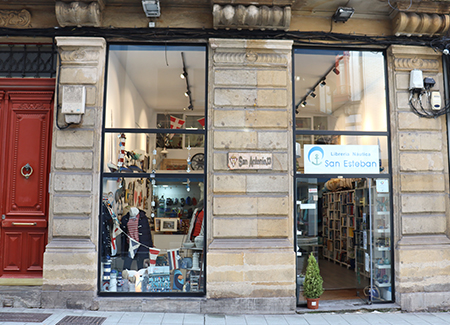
(248, 160)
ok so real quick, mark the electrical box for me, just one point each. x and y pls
(416, 79)
(73, 99)
(435, 100)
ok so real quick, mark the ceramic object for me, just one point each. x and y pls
(198, 241)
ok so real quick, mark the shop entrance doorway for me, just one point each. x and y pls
(26, 107)
(345, 224)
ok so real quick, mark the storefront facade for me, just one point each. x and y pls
(244, 92)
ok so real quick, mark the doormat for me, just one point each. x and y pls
(24, 317)
(81, 320)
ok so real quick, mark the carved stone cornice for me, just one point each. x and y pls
(15, 18)
(250, 57)
(251, 17)
(419, 24)
(80, 51)
(79, 13)
(416, 63)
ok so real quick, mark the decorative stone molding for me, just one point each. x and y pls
(15, 18)
(74, 56)
(251, 17)
(250, 57)
(410, 23)
(79, 13)
(416, 63)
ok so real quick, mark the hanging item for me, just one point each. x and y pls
(189, 156)
(174, 258)
(175, 123)
(116, 232)
(201, 121)
(134, 245)
(121, 160)
(153, 255)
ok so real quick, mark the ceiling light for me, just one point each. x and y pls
(151, 8)
(323, 83)
(335, 70)
(343, 14)
(313, 95)
(182, 76)
(303, 104)
(187, 93)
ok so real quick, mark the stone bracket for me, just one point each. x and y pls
(15, 18)
(79, 13)
(251, 17)
(420, 24)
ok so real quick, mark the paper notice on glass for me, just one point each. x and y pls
(365, 239)
(367, 262)
(382, 185)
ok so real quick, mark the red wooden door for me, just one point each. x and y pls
(26, 124)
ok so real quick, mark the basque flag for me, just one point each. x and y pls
(153, 255)
(174, 258)
(134, 245)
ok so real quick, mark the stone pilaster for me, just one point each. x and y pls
(250, 213)
(421, 183)
(70, 259)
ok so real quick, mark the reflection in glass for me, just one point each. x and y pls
(340, 90)
(152, 235)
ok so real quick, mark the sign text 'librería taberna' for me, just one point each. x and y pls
(247, 160)
(345, 159)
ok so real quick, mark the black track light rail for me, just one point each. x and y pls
(188, 87)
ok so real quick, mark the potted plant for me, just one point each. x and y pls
(312, 287)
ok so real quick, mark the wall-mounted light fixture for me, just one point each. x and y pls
(343, 14)
(151, 8)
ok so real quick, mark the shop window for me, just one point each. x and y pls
(343, 199)
(152, 221)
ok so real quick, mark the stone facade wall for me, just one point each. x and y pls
(421, 187)
(70, 259)
(250, 212)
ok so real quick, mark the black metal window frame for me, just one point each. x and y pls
(156, 176)
(386, 133)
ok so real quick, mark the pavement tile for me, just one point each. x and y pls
(276, 320)
(255, 320)
(354, 319)
(443, 316)
(295, 319)
(215, 319)
(172, 318)
(315, 319)
(131, 318)
(235, 320)
(335, 319)
(152, 318)
(194, 319)
(429, 318)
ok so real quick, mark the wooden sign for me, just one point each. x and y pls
(248, 160)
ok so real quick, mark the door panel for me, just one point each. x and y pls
(26, 120)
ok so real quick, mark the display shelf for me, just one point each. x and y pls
(382, 266)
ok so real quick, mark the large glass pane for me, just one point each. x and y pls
(145, 81)
(145, 152)
(152, 235)
(345, 224)
(340, 90)
(379, 141)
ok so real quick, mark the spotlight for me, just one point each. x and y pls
(343, 14)
(182, 76)
(323, 83)
(303, 104)
(313, 95)
(187, 93)
(336, 71)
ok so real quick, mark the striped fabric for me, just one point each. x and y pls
(153, 255)
(174, 258)
(133, 228)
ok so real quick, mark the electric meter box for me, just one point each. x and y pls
(73, 99)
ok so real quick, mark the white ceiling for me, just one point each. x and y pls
(155, 72)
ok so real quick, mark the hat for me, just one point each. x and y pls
(188, 201)
(194, 201)
(182, 201)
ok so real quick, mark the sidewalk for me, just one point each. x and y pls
(135, 318)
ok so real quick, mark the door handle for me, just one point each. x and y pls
(28, 169)
(24, 223)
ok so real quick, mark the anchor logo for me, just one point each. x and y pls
(315, 155)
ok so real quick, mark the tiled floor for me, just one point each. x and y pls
(140, 318)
